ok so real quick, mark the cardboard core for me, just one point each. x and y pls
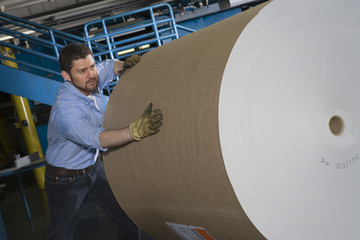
(336, 125)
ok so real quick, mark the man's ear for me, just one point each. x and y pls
(66, 76)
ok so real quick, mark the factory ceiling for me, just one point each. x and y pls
(65, 14)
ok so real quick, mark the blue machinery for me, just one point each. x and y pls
(37, 47)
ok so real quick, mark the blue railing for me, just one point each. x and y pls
(114, 37)
(41, 42)
(123, 35)
(155, 25)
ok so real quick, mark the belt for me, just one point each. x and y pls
(65, 171)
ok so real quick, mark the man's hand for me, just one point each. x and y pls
(131, 61)
(121, 66)
(148, 124)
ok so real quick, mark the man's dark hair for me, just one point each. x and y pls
(71, 52)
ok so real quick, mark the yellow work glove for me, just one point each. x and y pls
(131, 61)
(148, 124)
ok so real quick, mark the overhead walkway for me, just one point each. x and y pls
(36, 47)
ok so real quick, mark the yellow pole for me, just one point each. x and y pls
(27, 125)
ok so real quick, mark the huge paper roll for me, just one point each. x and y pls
(260, 136)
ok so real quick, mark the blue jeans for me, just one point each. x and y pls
(66, 194)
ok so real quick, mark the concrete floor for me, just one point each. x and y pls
(94, 223)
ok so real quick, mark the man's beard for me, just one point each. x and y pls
(86, 89)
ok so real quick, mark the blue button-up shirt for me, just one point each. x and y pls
(76, 122)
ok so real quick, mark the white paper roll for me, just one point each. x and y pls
(289, 119)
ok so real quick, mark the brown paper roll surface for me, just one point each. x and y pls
(178, 175)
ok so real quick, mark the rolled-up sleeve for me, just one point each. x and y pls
(106, 72)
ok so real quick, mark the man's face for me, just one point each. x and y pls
(83, 75)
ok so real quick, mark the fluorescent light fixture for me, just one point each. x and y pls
(126, 51)
(144, 46)
(133, 49)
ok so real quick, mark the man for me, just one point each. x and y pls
(74, 168)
